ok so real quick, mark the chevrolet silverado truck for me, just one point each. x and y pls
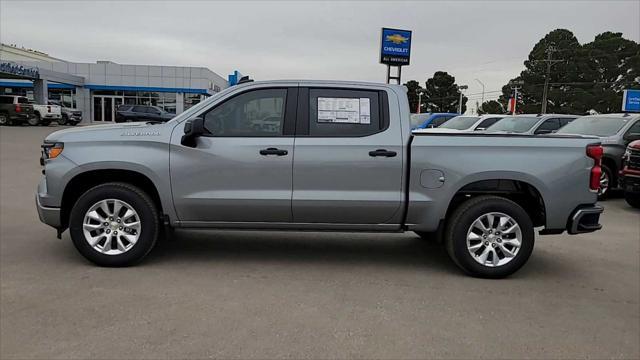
(45, 114)
(15, 110)
(339, 156)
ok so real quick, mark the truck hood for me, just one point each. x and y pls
(119, 132)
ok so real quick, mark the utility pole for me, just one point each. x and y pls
(482, 84)
(550, 62)
(460, 88)
(515, 88)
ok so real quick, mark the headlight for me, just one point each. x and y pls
(51, 150)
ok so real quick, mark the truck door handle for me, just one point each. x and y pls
(382, 152)
(273, 151)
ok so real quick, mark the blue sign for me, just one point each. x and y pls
(631, 101)
(234, 78)
(395, 47)
(15, 69)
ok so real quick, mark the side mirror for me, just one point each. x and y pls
(632, 137)
(192, 129)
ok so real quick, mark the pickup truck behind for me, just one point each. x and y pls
(15, 110)
(45, 114)
(339, 156)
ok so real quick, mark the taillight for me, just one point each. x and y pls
(595, 152)
(18, 108)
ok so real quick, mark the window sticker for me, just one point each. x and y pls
(344, 110)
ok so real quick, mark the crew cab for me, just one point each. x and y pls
(15, 110)
(45, 114)
(339, 156)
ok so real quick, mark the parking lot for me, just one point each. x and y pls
(312, 295)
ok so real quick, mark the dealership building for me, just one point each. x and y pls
(97, 89)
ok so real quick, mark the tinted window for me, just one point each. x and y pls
(634, 129)
(6, 100)
(153, 110)
(349, 115)
(23, 100)
(548, 126)
(565, 121)
(460, 122)
(254, 113)
(486, 123)
(439, 121)
(516, 124)
(124, 108)
(139, 109)
(418, 119)
(595, 125)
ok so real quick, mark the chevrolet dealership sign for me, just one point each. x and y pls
(19, 70)
(395, 47)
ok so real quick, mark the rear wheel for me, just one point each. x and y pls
(489, 237)
(34, 120)
(4, 119)
(114, 224)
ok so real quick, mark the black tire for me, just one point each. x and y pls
(466, 214)
(63, 120)
(34, 120)
(632, 199)
(603, 194)
(4, 119)
(142, 204)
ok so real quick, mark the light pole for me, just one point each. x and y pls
(481, 84)
(460, 88)
(515, 86)
(419, 101)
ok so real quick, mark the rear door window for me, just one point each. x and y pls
(486, 123)
(23, 100)
(139, 109)
(548, 126)
(340, 112)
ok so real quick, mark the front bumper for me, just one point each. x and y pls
(47, 214)
(585, 219)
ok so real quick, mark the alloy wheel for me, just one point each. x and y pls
(604, 183)
(111, 226)
(494, 239)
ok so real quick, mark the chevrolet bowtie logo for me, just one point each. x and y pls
(397, 39)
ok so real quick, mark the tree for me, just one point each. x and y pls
(442, 94)
(413, 87)
(581, 78)
(491, 107)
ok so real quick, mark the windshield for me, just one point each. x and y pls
(516, 124)
(598, 126)
(418, 119)
(460, 122)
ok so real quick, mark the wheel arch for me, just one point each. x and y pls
(84, 181)
(519, 191)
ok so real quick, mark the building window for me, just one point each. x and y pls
(192, 99)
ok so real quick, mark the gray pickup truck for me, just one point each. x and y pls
(322, 156)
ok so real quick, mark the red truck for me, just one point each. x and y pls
(630, 174)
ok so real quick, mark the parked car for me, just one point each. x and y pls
(45, 114)
(128, 113)
(341, 158)
(70, 116)
(531, 124)
(430, 120)
(464, 123)
(630, 174)
(616, 131)
(16, 110)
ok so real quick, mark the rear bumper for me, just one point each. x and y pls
(21, 116)
(51, 116)
(585, 219)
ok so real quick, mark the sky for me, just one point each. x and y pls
(483, 40)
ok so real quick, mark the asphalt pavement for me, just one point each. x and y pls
(225, 294)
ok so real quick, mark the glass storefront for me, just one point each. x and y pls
(66, 97)
(163, 100)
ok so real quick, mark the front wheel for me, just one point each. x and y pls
(63, 120)
(114, 224)
(489, 237)
(605, 183)
(632, 199)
